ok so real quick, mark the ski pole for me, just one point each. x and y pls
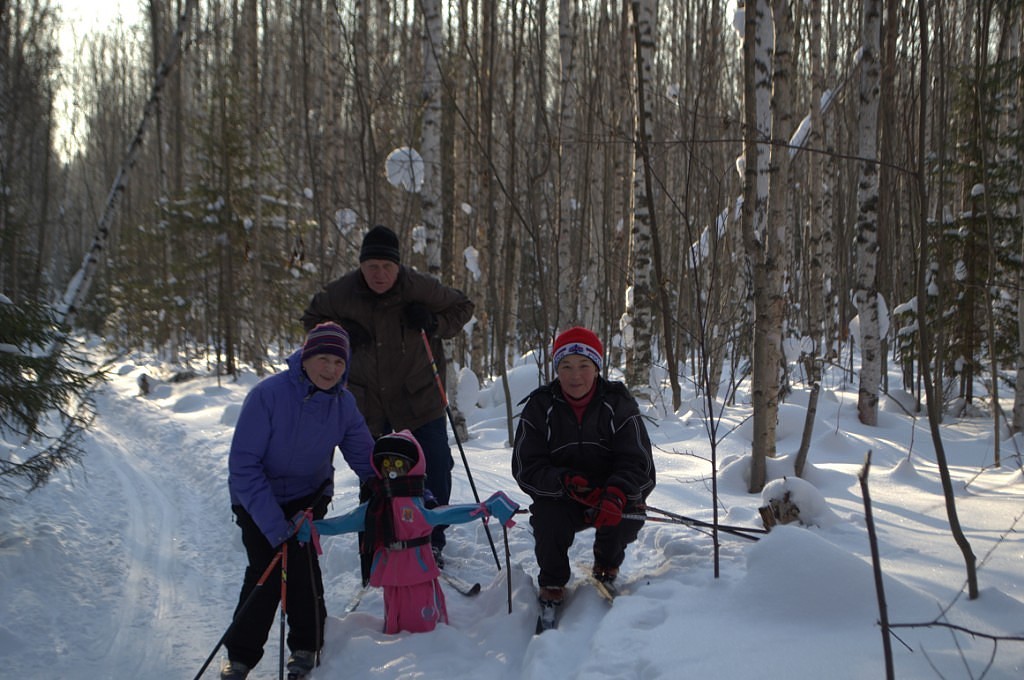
(508, 567)
(683, 519)
(465, 461)
(241, 610)
(735, 531)
(741, 532)
(317, 602)
(284, 605)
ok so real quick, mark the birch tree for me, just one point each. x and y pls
(640, 358)
(865, 292)
(778, 253)
(818, 326)
(430, 193)
(567, 226)
(757, 43)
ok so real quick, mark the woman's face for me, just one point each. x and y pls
(577, 375)
(325, 370)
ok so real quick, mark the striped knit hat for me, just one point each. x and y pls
(326, 338)
(578, 340)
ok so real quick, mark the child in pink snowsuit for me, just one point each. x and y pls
(398, 525)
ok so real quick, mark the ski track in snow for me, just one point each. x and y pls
(151, 590)
(152, 569)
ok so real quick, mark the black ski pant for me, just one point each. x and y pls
(555, 525)
(306, 612)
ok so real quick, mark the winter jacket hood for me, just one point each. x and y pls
(419, 467)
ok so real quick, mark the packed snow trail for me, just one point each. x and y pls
(148, 587)
(172, 577)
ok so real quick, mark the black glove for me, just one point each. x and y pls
(357, 335)
(417, 316)
(366, 489)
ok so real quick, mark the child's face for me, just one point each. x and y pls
(393, 466)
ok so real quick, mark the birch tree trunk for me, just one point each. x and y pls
(757, 43)
(430, 192)
(430, 146)
(830, 177)
(778, 243)
(567, 227)
(640, 358)
(817, 325)
(866, 287)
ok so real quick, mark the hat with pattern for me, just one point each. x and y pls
(578, 340)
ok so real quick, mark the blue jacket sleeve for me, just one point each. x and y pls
(247, 477)
(348, 523)
(499, 505)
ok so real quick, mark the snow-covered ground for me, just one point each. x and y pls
(129, 566)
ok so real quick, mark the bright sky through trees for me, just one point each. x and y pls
(79, 20)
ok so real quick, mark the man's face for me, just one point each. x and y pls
(380, 275)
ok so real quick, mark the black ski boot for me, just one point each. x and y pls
(300, 664)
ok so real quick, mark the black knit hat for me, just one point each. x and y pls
(380, 243)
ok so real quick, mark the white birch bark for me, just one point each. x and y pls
(430, 191)
(639, 360)
(865, 292)
(568, 228)
(757, 45)
(430, 149)
(778, 232)
(815, 176)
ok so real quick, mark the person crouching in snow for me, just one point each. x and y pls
(398, 524)
(583, 455)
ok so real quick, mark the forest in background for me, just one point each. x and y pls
(707, 189)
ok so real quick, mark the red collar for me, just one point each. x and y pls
(580, 405)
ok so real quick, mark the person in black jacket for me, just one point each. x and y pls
(385, 306)
(583, 455)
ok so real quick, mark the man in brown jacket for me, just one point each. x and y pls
(383, 306)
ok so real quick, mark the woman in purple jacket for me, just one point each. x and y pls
(281, 463)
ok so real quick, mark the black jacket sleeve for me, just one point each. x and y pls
(533, 465)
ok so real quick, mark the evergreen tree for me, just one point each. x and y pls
(45, 399)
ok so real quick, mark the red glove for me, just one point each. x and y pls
(579, 489)
(608, 511)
